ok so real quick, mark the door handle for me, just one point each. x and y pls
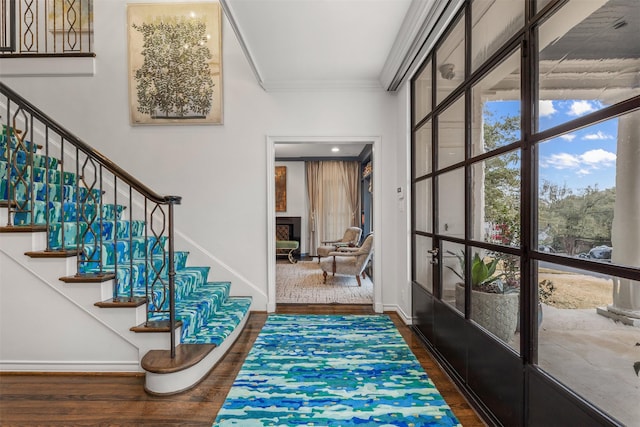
(434, 255)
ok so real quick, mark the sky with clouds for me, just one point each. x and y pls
(586, 157)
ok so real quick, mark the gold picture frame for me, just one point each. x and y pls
(175, 63)
(281, 188)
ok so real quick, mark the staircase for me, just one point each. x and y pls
(80, 226)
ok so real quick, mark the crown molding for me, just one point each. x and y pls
(228, 12)
(424, 23)
(321, 86)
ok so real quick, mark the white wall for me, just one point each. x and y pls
(297, 199)
(402, 225)
(220, 170)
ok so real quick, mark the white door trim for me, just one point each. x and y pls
(271, 209)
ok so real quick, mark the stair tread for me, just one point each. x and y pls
(122, 302)
(88, 278)
(187, 355)
(51, 254)
(23, 228)
(219, 326)
(154, 326)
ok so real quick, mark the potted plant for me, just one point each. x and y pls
(494, 294)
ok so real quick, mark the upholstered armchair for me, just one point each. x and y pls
(351, 238)
(348, 261)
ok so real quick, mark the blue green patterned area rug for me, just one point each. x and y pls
(329, 370)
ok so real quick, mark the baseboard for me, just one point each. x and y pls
(74, 366)
(407, 319)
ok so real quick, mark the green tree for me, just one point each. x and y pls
(502, 177)
(573, 216)
(567, 216)
(174, 79)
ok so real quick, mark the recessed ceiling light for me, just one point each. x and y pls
(335, 149)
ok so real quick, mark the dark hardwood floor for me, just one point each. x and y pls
(119, 399)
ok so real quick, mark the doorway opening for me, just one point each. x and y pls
(282, 150)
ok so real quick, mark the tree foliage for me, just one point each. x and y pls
(566, 217)
(174, 79)
(569, 216)
(502, 178)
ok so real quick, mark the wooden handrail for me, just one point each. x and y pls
(88, 150)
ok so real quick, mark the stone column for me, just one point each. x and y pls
(625, 233)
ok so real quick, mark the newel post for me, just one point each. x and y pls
(171, 201)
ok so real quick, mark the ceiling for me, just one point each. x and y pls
(315, 45)
(331, 44)
(315, 150)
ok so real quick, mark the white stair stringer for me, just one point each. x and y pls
(49, 325)
(176, 382)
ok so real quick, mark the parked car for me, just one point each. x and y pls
(602, 253)
(546, 248)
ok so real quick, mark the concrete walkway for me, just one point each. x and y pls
(594, 356)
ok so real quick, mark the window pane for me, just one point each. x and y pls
(451, 203)
(495, 120)
(453, 275)
(422, 151)
(588, 192)
(422, 94)
(450, 62)
(451, 135)
(423, 265)
(495, 293)
(496, 199)
(423, 219)
(583, 342)
(589, 58)
(494, 22)
(540, 4)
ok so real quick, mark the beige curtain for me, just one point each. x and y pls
(351, 182)
(333, 189)
(312, 171)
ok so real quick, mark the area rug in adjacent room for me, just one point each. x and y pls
(332, 370)
(303, 283)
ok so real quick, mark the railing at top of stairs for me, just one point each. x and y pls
(46, 28)
(37, 145)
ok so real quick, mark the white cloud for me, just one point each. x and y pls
(546, 108)
(598, 135)
(582, 163)
(578, 108)
(568, 137)
(599, 157)
(562, 161)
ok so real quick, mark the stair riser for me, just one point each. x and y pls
(19, 243)
(63, 212)
(21, 190)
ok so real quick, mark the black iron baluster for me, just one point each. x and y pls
(172, 284)
(131, 242)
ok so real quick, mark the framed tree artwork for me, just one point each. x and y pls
(175, 63)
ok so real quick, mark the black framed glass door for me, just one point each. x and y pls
(524, 136)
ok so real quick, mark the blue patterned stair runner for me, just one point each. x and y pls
(207, 311)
